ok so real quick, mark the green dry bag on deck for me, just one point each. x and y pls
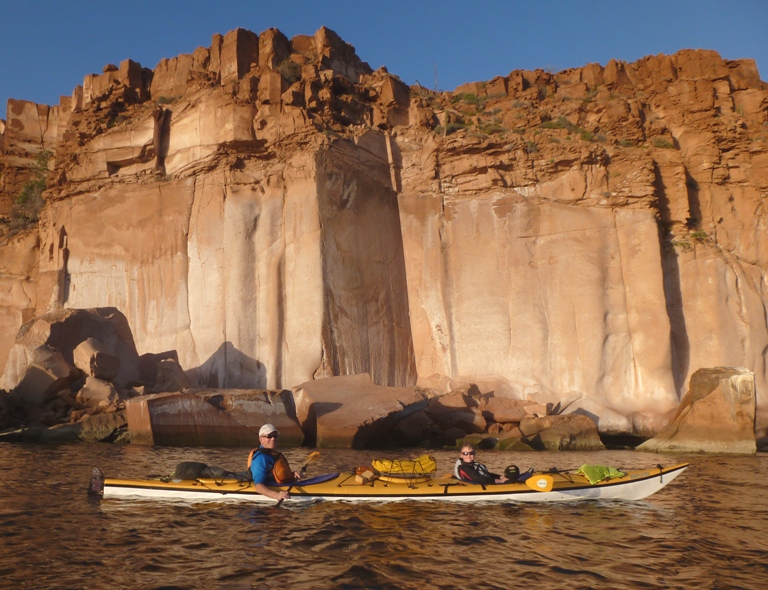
(597, 473)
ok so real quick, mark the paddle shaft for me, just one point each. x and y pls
(311, 459)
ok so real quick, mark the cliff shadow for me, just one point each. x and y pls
(161, 136)
(230, 368)
(366, 317)
(694, 204)
(670, 267)
(309, 426)
(63, 278)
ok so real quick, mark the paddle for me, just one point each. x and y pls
(313, 456)
(540, 482)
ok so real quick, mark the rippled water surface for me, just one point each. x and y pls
(707, 529)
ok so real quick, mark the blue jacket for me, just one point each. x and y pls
(261, 467)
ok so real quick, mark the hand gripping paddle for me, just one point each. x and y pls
(313, 456)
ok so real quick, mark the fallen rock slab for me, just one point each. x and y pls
(508, 410)
(170, 377)
(111, 427)
(97, 392)
(572, 432)
(717, 415)
(459, 409)
(212, 417)
(92, 359)
(148, 364)
(46, 372)
(349, 412)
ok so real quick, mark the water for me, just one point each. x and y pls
(707, 529)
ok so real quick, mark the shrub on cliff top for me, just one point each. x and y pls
(27, 205)
(471, 99)
(559, 123)
(451, 127)
(563, 123)
(661, 142)
(167, 99)
(289, 70)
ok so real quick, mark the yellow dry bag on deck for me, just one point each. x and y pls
(424, 466)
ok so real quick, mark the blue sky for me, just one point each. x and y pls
(48, 46)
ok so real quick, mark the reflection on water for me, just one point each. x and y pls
(708, 529)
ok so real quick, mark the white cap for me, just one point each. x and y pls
(267, 429)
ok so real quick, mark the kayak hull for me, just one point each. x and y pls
(565, 487)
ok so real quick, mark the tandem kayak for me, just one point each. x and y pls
(554, 486)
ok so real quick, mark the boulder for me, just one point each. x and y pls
(110, 427)
(104, 428)
(414, 429)
(211, 417)
(351, 411)
(573, 432)
(539, 410)
(57, 411)
(170, 377)
(62, 331)
(504, 409)
(97, 393)
(46, 372)
(92, 359)
(148, 364)
(459, 409)
(717, 415)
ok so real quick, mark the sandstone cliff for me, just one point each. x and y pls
(274, 210)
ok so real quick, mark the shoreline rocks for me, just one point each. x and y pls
(55, 401)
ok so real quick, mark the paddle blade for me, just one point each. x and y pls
(540, 482)
(313, 456)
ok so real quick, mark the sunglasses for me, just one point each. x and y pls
(271, 435)
(465, 453)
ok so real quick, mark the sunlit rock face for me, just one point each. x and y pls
(717, 415)
(18, 287)
(257, 276)
(275, 211)
(544, 300)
